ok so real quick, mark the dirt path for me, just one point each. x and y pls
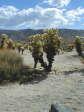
(67, 90)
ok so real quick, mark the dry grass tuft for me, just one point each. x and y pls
(10, 65)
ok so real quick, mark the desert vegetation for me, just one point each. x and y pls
(10, 65)
(58, 80)
(11, 62)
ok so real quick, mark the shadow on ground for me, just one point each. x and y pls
(30, 75)
(74, 71)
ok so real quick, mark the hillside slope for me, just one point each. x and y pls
(22, 34)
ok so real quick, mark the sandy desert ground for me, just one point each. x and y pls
(64, 85)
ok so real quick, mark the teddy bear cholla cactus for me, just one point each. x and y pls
(6, 42)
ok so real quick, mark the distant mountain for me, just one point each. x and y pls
(22, 34)
(70, 34)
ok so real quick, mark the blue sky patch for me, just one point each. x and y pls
(41, 14)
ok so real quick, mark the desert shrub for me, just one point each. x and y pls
(78, 46)
(13, 70)
(10, 65)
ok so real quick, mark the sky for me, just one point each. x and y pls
(41, 14)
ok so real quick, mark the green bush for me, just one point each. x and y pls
(10, 65)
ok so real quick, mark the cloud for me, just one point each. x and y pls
(57, 3)
(7, 11)
(38, 17)
(75, 15)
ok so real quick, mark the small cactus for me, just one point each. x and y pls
(78, 46)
